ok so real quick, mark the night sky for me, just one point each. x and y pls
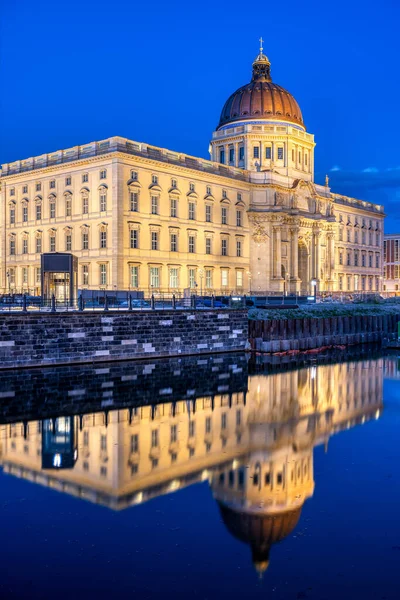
(159, 72)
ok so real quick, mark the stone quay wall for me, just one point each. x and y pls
(280, 335)
(38, 339)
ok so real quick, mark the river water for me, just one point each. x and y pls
(207, 477)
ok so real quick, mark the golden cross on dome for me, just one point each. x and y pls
(261, 45)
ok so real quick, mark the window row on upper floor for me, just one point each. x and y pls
(272, 151)
(353, 258)
(87, 240)
(187, 209)
(363, 223)
(39, 186)
(353, 236)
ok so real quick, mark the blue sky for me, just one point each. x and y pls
(159, 72)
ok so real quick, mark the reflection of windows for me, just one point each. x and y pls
(174, 433)
(86, 438)
(154, 438)
(134, 443)
(192, 428)
(223, 421)
(103, 442)
(208, 425)
(103, 471)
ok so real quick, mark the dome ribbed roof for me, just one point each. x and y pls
(261, 99)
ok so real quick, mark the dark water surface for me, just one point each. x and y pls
(208, 478)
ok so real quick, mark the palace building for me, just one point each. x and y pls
(143, 218)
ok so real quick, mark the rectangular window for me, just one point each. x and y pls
(208, 245)
(24, 214)
(209, 278)
(340, 258)
(238, 248)
(38, 245)
(256, 152)
(154, 277)
(154, 179)
(231, 155)
(52, 184)
(356, 259)
(224, 277)
(38, 276)
(363, 260)
(134, 199)
(12, 215)
(224, 194)
(280, 153)
(191, 187)
(25, 246)
(208, 190)
(173, 278)
(85, 274)
(239, 279)
(103, 202)
(239, 219)
(340, 234)
(208, 213)
(134, 277)
(103, 239)
(68, 181)
(68, 206)
(174, 183)
(154, 438)
(356, 237)
(224, 247)
(24, 275)
(241, 153)
(85, 240)
(192, 278)
(154, 240)
(52, 210)
(85, 205)
(134, 443)
(174, 242)
(224, 215)
(222, 156)
(268, 152)
(192, 211)
(154, 205)
(52, 243)
(377, 261)
(191, 244)
(363, 237)
(12, 276)
(370, 260)
(103, 174)
(173, 207)
(25, 189)
(134, 238)
(208, 424)
(68, 242)
(349, 282)
(12, 192)
(348, 235)
(103, 274)
(38, 187)
(348, 259)
(85, 178)
(134, 175)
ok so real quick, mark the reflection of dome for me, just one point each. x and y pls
(260, 531)
(261, 99)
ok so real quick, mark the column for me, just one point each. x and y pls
(294, 253)
(236, 146)
(317, 255)
(277, 270)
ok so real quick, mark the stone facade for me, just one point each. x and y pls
(391, 269)
(44, 339)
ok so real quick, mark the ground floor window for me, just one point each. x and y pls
(224, 277)
(85, 274)
(134, 277)
(192, 278)
(209, 279)
(239, 279)
(103, 274)
(155, 277)
(173, 278)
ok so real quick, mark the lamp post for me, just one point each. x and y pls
(314, 285)
(201, 275)
(8, 283)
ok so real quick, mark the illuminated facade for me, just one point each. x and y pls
(391, 269)
(144, 218)
(255, 448)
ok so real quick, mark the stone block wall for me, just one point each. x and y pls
(36, 339)
(280, 335)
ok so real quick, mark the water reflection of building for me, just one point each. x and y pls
(255, 449)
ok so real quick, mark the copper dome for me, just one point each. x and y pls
(261, 99)
(258, 530)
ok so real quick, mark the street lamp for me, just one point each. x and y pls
(8, 282)
(314, 285)
(201, 275)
